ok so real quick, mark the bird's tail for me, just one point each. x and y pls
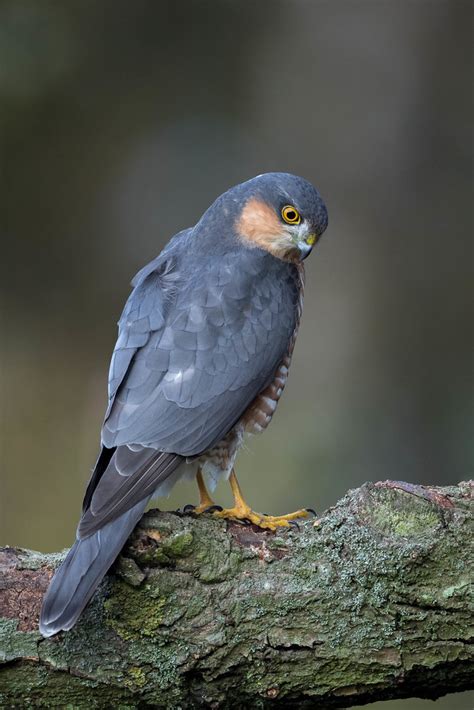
(88, 560)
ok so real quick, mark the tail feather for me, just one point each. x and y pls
(88, 560)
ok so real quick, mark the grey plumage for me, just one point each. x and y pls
(85, 565)
(224, 329)
(201, 335)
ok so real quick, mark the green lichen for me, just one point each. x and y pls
(161, 541)
(34, 686)
(166, 550)
(128, 570)
(135, 678)
(14, 643)
(453, 590)
(30, 559)
(238, 619)
(394, 512)
(178, 545)
(134, 613)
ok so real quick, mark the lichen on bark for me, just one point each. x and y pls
(373, 602)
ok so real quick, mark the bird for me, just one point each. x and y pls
(204, 346)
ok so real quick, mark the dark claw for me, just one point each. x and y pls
(245, 521)
(188, 508)
(312, 511)
(294, 524)
(212, 508)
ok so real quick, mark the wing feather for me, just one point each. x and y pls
(130, 477)
(227, 328)
(198, 341)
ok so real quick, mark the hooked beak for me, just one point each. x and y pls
(305, 247)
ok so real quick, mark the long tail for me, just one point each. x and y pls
(88, 560)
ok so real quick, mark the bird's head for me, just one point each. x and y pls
(280, 213)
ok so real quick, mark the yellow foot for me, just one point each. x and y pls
(268, 522)
(205, 500)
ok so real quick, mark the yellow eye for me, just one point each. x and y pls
(291, 215)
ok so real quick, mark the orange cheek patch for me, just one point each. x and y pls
(259, 226)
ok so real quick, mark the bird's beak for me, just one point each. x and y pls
(306, 246)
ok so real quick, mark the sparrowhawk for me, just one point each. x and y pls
(204, 346)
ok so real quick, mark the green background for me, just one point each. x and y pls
(120, 122)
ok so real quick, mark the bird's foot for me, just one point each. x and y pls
(208, 507)
(267, 522)
(206, 504)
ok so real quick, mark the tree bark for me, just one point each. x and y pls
(372, 602)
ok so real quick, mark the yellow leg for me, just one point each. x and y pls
(242, 511)
(205, 500)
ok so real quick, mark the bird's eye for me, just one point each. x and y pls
(291, 215)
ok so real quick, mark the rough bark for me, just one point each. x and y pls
(373, 602)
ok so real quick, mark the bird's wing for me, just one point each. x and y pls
(144, 314)
(123, 476)
(224, 334)
(194, 350)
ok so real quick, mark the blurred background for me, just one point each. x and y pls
(120, 122)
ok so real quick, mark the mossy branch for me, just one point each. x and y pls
(372, 603)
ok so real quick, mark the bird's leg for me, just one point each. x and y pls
(242, 511)
(205, 500)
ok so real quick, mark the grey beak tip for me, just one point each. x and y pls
(305, 250)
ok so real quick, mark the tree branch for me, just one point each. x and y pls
(371, 603)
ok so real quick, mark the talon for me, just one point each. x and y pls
(312, 511)
(294, 524)
(213, 509)
(189, 508)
